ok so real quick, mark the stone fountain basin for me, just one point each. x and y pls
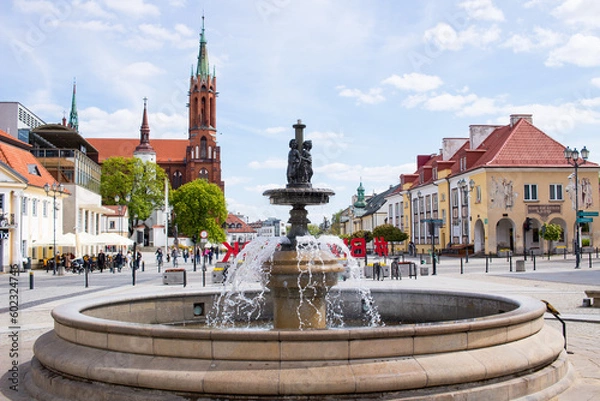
(464, 343)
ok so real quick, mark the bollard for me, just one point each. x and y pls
(30, 280)
(533, 258)
(487, 264)
(133, 275)
(86, 278)
(590, 259)
(565, 253)
(143, 265)
(510, 261)
(461, 266)
(184, 278)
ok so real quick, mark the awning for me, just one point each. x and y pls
(61, 240)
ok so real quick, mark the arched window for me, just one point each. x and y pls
(177, 179)
(203, 113)
(197, 152)
(203, 150)
(203, 174)
(210, 155)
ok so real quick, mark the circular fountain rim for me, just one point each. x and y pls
(73, 314)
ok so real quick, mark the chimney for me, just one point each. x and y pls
(514, 118)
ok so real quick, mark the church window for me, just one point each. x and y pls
(203, 113)
(210, 152)
(197, 152)
(203, 174)
(203, 148)
(177, 179)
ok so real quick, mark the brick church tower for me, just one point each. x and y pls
(203, 155)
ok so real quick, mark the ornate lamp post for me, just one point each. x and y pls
(574, 159)
(54, 189)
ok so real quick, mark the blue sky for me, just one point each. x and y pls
(376, 82)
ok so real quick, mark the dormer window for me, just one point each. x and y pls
(33, 169)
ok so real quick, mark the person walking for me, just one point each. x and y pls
(101, 261)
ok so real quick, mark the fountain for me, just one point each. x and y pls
(434, 345)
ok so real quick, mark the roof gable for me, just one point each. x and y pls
(167, 150)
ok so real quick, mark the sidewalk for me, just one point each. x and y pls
(583, 330)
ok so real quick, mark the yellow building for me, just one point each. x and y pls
(492, 192)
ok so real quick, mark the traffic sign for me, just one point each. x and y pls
(584, 220)
(582, 213)
(203, 234)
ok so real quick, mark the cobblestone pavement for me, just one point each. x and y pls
(555, 281)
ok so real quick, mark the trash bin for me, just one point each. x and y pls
(173, 276)
(520, 266)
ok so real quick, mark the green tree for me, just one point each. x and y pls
(314, 229)
(141, 182)
(200, 205)
(367, 235)
(336, 225)
(390, 233)
(550, 232)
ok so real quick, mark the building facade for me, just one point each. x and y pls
(493, 191)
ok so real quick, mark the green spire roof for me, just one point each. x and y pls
(73, 119)
(202, 69)
(360, 197)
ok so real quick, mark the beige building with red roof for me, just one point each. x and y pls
(493, 191)
(25, 208)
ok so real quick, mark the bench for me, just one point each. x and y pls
(595, 296)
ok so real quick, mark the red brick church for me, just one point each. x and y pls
(184, 160)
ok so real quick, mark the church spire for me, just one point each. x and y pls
(202, 69)
(144, 150)
(73, 119)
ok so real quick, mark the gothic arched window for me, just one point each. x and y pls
(203, 150)
(177, 179)
(203, 174)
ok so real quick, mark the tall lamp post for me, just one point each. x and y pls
(573, 158)
(54, 189)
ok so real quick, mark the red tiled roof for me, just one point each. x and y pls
(521, 145)
(235, 220)
(166, 149)
(20, 159)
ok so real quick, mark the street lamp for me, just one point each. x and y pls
(55, 189)
(573, 158)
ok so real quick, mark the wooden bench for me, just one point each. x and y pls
(595, 296)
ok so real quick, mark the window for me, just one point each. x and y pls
(111, 225)
(530, 192)
(478, 194)
(556, 192)
(34, 207)
(24, 206)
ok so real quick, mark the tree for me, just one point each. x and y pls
(313, 229)
(143, 182)
(390, 233)
(336, 225)
(367, 235)
(200, 205)
(551, 232)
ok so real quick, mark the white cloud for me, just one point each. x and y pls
(539, 39)
(414, 82)
(155, 36)
(133, 8)
(446, 101)
(444, 37)
(482, 10)
(275, 131)
(595, 81)
(142, 70)
(271, 163)
(581, 13)
(373, 174)
(581, 50)
(374, 95)
(95, 26)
